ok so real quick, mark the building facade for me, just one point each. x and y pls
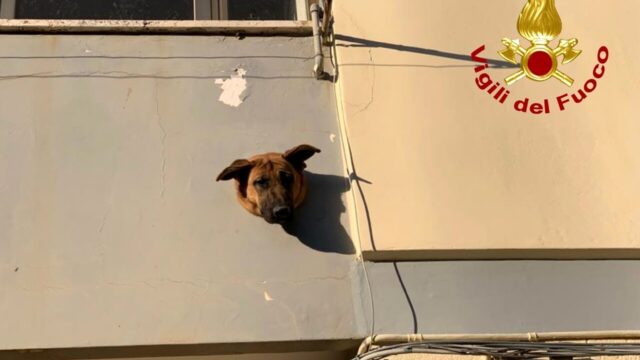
(433, 208)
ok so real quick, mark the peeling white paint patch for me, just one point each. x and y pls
(332, 137)
(233, 88)
(267, 296)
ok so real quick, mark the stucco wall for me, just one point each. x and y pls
(484, 297)
(447, 167)
(113, 231)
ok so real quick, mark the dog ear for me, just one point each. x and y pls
(299, 154)
(237, 170)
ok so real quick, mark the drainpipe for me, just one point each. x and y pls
(389, 339)
(318, 67)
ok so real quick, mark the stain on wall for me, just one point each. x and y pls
(233, 88)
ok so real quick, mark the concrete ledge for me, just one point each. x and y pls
(213, 27)
(505, 297)
(344, 345)
(502, 254)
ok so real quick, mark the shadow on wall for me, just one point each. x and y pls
(317, 222)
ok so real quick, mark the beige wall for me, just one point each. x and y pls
(452, 169)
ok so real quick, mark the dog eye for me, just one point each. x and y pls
(261, 182)
(286, 178)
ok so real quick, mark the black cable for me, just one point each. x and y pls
(506, 350)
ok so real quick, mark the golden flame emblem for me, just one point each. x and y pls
(540, 23)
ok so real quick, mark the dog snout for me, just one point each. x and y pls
(282, 213)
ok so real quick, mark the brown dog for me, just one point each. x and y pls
(271, 185)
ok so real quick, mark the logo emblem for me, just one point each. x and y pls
(540, 23)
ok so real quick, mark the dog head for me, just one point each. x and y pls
(271, 185)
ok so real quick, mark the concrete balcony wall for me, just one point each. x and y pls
(488, 297)
(113, 231)
(318, 355)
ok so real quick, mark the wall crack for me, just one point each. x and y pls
(162, 142)
(373, 84)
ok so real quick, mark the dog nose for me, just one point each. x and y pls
(282, 212)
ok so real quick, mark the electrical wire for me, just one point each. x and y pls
(350, 168)
(505, 350)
